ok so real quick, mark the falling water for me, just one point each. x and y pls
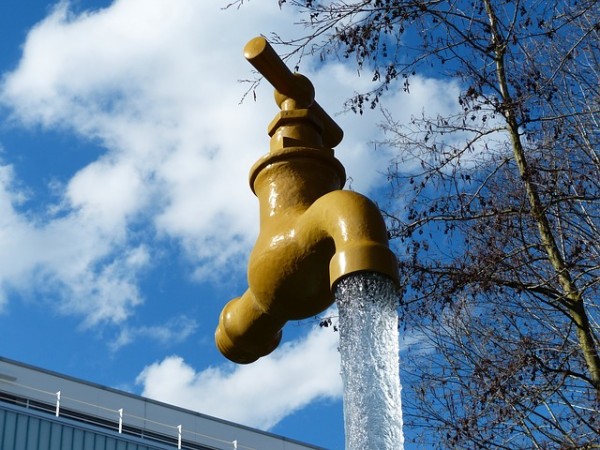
(370, 364)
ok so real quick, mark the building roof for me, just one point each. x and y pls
(51, 396)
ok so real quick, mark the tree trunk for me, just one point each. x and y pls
(572, 296)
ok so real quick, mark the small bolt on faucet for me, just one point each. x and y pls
(312, 233)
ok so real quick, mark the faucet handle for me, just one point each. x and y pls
(263, 57)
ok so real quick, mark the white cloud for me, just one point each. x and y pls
(87, 264)
(144, 80)
(258, 395)
(155, 83)
(173, 331)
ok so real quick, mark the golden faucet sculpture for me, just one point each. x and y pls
(312, 233)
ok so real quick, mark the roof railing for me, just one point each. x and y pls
(123, 421)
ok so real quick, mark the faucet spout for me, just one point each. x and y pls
(312, 233)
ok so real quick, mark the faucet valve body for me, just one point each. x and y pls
(312, 233)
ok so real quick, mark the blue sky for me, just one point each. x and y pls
(125, 213)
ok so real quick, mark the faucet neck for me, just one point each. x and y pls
(293, 179)
(300, 166)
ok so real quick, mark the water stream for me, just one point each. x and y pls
(370, 363)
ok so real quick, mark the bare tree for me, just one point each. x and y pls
(495, 210)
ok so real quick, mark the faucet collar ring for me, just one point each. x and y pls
(290, 153)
